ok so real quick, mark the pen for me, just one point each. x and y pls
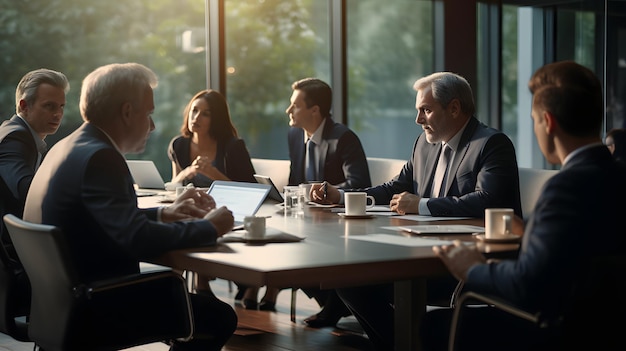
(325, 190)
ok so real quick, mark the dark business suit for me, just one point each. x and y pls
(342, 161)
(85, 188)
(231, 158)
(483, 174)
(18, 162)
(576, 218)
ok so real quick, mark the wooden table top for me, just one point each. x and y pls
(328, 257)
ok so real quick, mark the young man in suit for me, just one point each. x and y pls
(320, 149)
(337, 155)
(84, 187)
(480, 172)
(39, 103)
(567, 115)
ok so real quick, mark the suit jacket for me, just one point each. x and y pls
(578, 215)
(231, 158)
(342, 161)
(85, 188)
(18, 159)
(483, 174)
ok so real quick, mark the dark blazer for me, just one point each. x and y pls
(18, 159)
(483, 174)
(578, 215)
(85, 188)
(231, 158)
(342, 161)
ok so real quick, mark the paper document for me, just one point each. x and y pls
(438, 229)
(400, 240)
(422, 218)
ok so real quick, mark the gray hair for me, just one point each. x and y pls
(447, 86)
(108, 87)
(27, 87)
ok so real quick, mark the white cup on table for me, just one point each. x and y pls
(306, 190)
(356, 203)
(254, 227)
(498, 222)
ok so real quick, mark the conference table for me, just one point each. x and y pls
(334, 252)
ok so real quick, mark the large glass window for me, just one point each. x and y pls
(75, 37)
(389, 47)
(269, 45)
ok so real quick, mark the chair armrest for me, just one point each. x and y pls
(473, 298)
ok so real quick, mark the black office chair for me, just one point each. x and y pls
(67, 314)
(593, 313)
(14, 296)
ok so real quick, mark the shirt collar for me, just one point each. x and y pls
(579, 150)
(317, 136)
(112, 141)
(42, 147)
(453, 143)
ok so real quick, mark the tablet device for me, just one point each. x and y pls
(274, 193)
(243, 199)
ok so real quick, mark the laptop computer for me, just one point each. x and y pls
(243, 199)
(145, 174)
(274, 193)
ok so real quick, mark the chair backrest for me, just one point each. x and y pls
(277, 170)
(531, 183)
(14, 297)
(120, 312)
(48, 269)
(383, 170)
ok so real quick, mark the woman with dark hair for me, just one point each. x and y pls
(209, 148)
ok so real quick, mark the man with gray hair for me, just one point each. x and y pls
(459, 167)
(39, 103)
(84, 187)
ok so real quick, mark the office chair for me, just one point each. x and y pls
(14, 296)
(67, 314)
(592, 313)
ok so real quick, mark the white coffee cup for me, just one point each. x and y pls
(255, 227)
(356, 203)
(498, 222)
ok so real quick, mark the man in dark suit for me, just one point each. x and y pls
(567, 114)
(337, 155)
(39, 103)
(85, 188)
(320, 149)
(480, 172)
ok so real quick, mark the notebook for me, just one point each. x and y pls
(145, 174)
(243, 199)
(274, 193)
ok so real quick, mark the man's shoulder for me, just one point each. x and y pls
(336, 129)
(13, 126)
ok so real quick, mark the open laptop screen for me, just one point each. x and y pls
(243, 199)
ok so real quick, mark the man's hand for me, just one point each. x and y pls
(191, 204)
(405, 203)
(222, 219)
(459, 258)
(324, 193)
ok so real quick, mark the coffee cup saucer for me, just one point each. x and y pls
(503, 238)
(363, 216)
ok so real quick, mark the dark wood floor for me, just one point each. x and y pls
(266, 331)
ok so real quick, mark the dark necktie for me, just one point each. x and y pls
(439, 183)
(310, 171)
